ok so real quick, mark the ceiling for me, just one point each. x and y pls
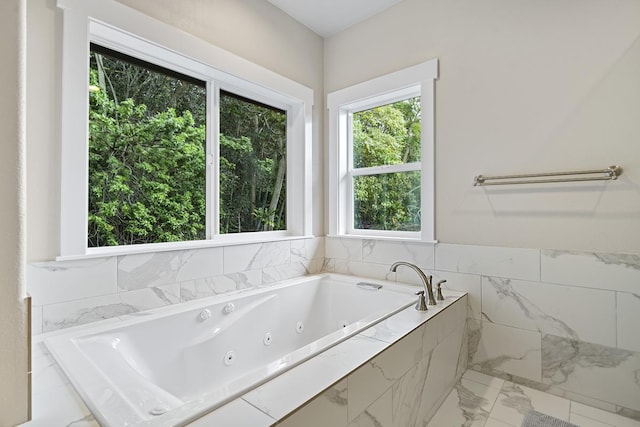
(327, 17)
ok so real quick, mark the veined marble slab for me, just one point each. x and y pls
(388, 252)
(140, 271)
(362, 269)
(515, 401)
(603, 373)
(376, 376)
(628, 320)
(232, 413)
(224, 284)
(616, 272)
(509, 350)
(469, 283)
(443, 372)
(570, 312)
(586, 416)
(307, 249)
(59, 281)
(468, 404)
(378, 414)
(256, 256)
(348, 249)
(54, 400)
(513, 263)
(328, 409)
(79, 312)
(272, 275)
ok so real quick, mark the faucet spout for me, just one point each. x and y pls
(426, 280)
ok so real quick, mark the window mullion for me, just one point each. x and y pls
(213, 159)
(350, 191)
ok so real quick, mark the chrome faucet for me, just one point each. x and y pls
(426, 280)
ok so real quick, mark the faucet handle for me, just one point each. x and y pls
(439, 297)
(421, 305)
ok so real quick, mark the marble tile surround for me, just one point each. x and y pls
(563, 322)
(587, 302)
(401, 387)
(71, 293)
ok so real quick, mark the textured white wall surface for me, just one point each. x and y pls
(13, 350)
(525, 86)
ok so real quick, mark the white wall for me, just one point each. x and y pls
(525, 86)
(252, 29)
(13, 336)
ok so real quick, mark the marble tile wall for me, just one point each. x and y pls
(559, 321)
(70, 293)
(401, 387)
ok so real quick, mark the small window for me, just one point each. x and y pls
(381, 151)
(386, 167)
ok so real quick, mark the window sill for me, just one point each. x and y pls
(107, 252)
(386, 238)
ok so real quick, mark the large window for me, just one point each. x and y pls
(160, 150)
(381, 161)
(147, 156)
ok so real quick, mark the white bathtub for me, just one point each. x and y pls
(192, 358)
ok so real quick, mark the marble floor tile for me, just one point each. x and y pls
(583, 421)
(463, 406)
(515, 401)
(592, 416)
(468, 405)
(481, 378)
(492, 422)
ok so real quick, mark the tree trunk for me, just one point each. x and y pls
(282, 165)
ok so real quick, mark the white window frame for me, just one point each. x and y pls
(418, 80)
(125, 30)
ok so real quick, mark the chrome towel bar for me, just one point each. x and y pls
(610, 173)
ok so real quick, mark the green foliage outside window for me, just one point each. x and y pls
(146, 168)
(387, 135)
(147, 159)
(147, 153)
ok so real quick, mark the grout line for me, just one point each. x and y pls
(615, 318)
(540, 265)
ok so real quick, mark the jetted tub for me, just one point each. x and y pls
(179, 362)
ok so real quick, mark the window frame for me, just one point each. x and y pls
(118, 27)
(418, 80)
